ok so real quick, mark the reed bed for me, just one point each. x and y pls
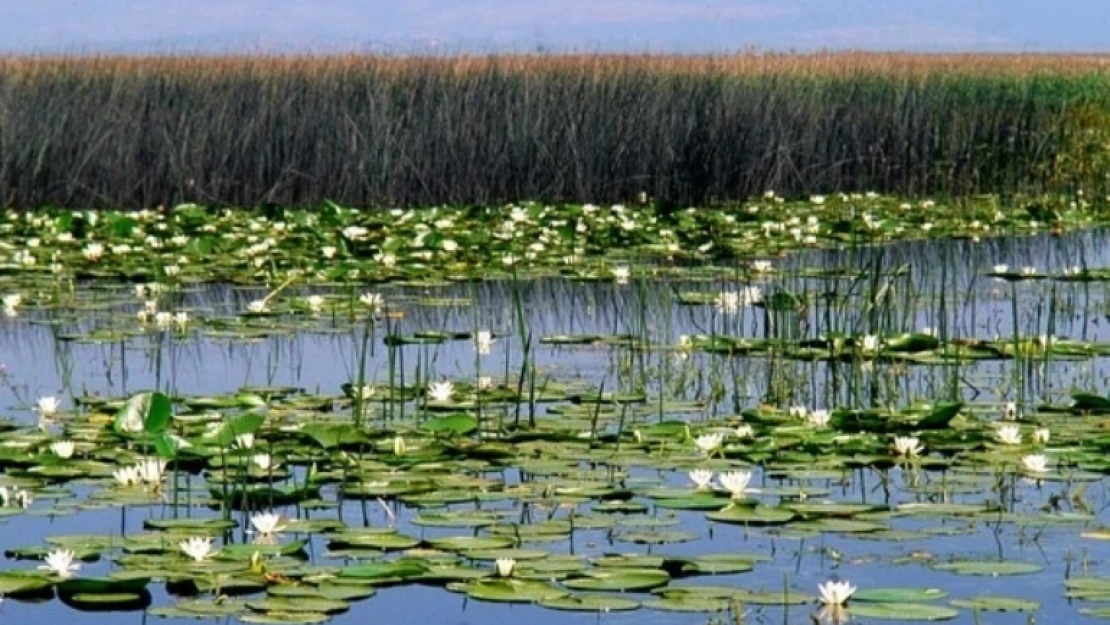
(374, 130)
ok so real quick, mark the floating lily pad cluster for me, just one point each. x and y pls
(515, 482)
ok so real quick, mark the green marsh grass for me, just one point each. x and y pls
(364, 130)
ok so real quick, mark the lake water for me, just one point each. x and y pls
(324, 354)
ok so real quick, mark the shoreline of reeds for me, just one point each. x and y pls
(124, 131)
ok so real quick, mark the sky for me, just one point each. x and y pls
(452, 26)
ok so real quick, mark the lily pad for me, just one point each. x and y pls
(991, 568)
(997, 603)
(618, 579)
(590, 603)
(897, 595)
(902, 611)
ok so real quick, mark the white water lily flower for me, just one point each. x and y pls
(63, 449)
(441, 391)
(621, 274)
(761, 266)
(128, 476)
(1001, 268)
(12, 300)
(744, 431)
(243, 441)
(258, 305)
(908, 446)
(315, 302)
(1009, 434)
(836, 593)
(93, 252)
(373, 301)
(728, 301)
(172, 270)
(708, 443)
(483, 341)
(1028, 271)
(151, 470)
(16, 497)
(263, 461)
(267, 523)
(399, 446)
(328, 251)
(197, 548)
(870, 343)
(24, 257)
(449, 245)
(485, 383)
(48, 406)
(1034, 463)
(181, 319)
(60, 562)
(163, 319)
(818, 418)
(355, 233)
(504, 566)
(387, 259)
(1009, 411)
(364, 392)
(1041, 436)
(702, 478)
(735, 482)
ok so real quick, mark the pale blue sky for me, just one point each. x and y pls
(583, 25)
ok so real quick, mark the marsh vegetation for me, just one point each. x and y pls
(851, 407)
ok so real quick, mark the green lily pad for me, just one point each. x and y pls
(996, 603)
(753, 515)
(590, 603)
(384, 541)
(467, 543)
(113, 601)
(323, 591)
(285, 618)
(384, 571)
(199, 608)
(897, 595)
(102, 585)
(512, 590)
(316, 605)
(987, 567)
(720, 564)
(771, 597)
(17, 583)
(211, 526)
(902, 611)
(618, 579)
